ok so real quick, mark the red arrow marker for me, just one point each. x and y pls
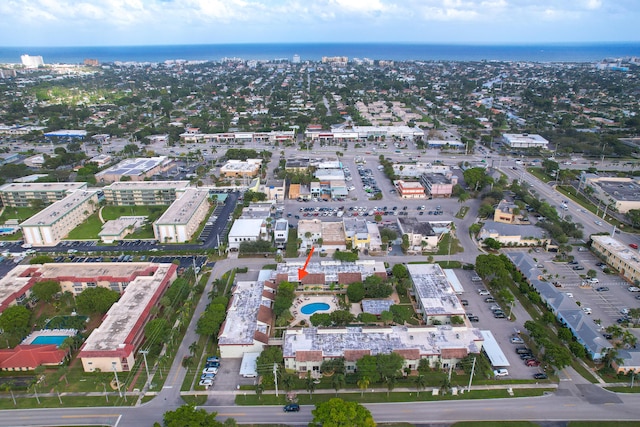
(302, 272)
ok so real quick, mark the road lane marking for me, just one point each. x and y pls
(89, 415)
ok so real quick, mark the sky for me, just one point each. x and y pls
(160, 22)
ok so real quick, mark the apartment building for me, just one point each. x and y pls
(22, 194)
(183, 217)
(52, 224)
(144, 193)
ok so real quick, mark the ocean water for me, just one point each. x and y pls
(314, 52)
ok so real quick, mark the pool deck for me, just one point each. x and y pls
(303, 300)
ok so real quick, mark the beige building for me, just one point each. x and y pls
(421, 235)
(249, 317)
(52, 224)
(619, 193)
(144, 193)
(183, 217)
(121, 332)
(304, 349)
(240, 169)
(410, 190)
(619, 256)
(22, 194)
(135, 169)
(117, 229)
(506, 212)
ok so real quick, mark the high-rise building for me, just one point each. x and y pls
(296, 59)
(32, 61)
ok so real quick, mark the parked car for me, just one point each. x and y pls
(532, 363)
(633, 289)
(602, 289)
(516, 340)
(586, 310)
(500, 372)
(578, 268)
(206, 383)
(523, 350)
(540, 376)
(489, 299)
(291, 407)
(484, 292)
(464, 302)
(473, 318)
(210, 371)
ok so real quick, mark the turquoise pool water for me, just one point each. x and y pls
(49, 339)
(313, 307)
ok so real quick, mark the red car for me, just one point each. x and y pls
(533, 363)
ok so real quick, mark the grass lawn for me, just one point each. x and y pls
(540, 174)
(462, 212)
(624, 389)
(89, 229)
(115, 212)
(291, 250)
(379, 397)
(20, 214)
(443, 246)
(494, 423)
(11, 237)
(67, 402)
(602, 424)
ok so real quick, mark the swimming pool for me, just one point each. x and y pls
(49, 339)
(313, 307)
(7, 230)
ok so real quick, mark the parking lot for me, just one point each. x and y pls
(478, 301)
(605, 300)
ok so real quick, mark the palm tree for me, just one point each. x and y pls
(193, 348)
(391, 383)
(421, 383)
(8, 386)
(363, 383)
(259, 390)
(310, 384)
(338, 382)
(287, 382)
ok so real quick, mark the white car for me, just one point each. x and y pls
(213, 371)
(633, 289)
(484, 292)
(586, 310)
(517, 340)
(569, 294)
(206, 383)
(500, 372)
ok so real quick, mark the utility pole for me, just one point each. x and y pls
(275, 376)
(146, 366)
(450, 371)
(473, 368)
(115, 372)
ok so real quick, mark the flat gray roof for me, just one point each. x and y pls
(134, 167)
(427, 340)
(42, 186)
(242, 314)
(181, 211)
(57, 210)
(122, 316)
(622, 191)
(436, 294)
(147, 185)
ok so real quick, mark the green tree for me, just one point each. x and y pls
(188, 415)
(339, 413)
(633, 215)
(386, 317)
(363, 384)
(375, 287)
(421, 383)
(389, 365)
(400, 271)
(284, 297)
(46, 290)
(41, 259)
(367, 366)
(156, 333)
(211, 320)
(14, 321)
(492, 243)
(355, 292)
(341, 317)
(310, 384)
(96, 300)
(338, 381)
(320, 319)
(476, 178)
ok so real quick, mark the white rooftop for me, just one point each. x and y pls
(436, 294)
(122, 317)
(242, 314)
(42, 186)
(181, 211)
(427, 340)
(147, 185)
(134, 167)
(246, 227)
(59, 209)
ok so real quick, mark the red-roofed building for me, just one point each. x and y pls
(29, 357)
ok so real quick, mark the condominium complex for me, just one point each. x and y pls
(52, 224)
(135, 169)
(435, 296)
(114, 343)
(183, 217)
(144, 193)
(22, 194)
